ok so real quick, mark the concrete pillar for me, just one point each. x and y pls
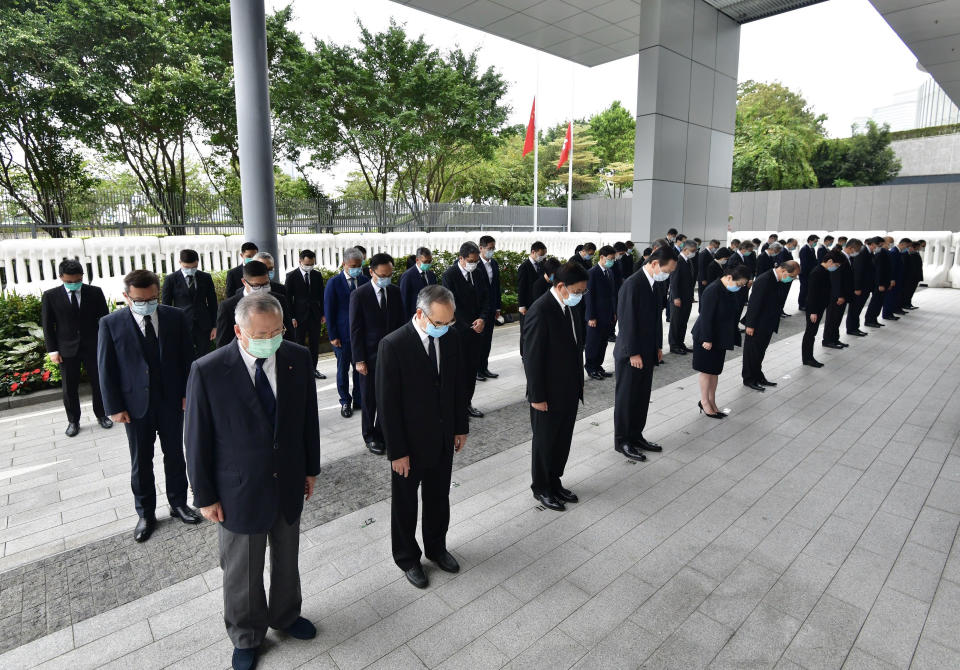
(686, 108)
(254, 131)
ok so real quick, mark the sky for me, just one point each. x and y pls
(840, 54)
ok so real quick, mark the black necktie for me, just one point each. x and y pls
(191, 285)
(74, 303)
(383, 300)
(306, 279)
(470, 278)
(432, 352)
(352, 282)
(150, 335)
(267, 400)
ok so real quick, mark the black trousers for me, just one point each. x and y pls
(802, 297)
(167, 422)
(891, 301)
(552, 434)
(369, 420)
(434, 486)
(809, 337)
(857, 304)
(70, 381)
(874, 307)
(679, 317)
(754, 349)
(471, 343)
(832, 320)
(595, 345)
(201, 342)
(632, 399)
(486, 343)
(308, 335)
(906, 296)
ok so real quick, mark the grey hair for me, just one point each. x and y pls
(258, 302)
(776, 246)
(352, 254)
(265, 256)
(432, 294)
(690, 244)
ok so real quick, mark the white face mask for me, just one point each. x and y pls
(470, 267)
(661, 276)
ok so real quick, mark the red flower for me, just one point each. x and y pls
(46, 375)
(14, 386)
(36, 372)
(23, 377)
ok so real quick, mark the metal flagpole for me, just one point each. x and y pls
(570, 159)
(536, 147)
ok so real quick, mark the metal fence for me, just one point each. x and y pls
(115, 213)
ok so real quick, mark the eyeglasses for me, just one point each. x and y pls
(270, 336)
(439, 325)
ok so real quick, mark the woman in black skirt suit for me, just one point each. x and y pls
(715, 332)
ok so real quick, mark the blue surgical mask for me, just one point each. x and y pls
(551, 279)
(791, 249)
(734, 288)
(608, 264)
(383, 282)
(247, 260)
(425, 266)
(270, 275)
(354, 272)
(436, 331)
(573, 299)
(73, 285)
(144, 307)
(188, 272)
(833, 268)
(746, 253)
(264, 348)
(787, 279)
(488, 253)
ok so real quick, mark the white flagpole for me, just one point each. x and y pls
(570, 158)
(536, 147)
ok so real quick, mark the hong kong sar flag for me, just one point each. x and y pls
(531, 130)
(565, 152)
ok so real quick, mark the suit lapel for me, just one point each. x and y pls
(285, 372)
(239, 378)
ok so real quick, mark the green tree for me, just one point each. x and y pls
(614, 131)
(553, 181)
(863, 159)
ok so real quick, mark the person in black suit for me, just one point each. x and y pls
(714, 270)
(255, 278)
(766, 245)
(681, 295)
(253, 450)
(70, 315)
(808, 259)
(336, 304)
(863, 280)
(767, 258)
(235, 275)
(376, 310)
(528, 272)
(786, 254)
(423, 426)
(913, 274)
(469, 287)
(637, 352)
(624, 259)
(268, 260)
(818, 300)
(584, 254)
(415, 278)
(703, 261)
(489, 264)
(192, 290)
(842, 294)
(762, 320)
(824, 248)
(305, 292)
(715, 332)
(554, 342)
(881, 282)
(601, 311)
(144, 354)
(548, 269)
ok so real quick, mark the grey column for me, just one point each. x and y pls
(686, 110)
(254, 131)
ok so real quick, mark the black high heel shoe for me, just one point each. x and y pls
(718, 415)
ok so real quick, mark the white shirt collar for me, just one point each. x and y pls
(649, 276)
(463, 270)
(269, 366)
(556, 296)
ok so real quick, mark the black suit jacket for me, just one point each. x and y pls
(626, 265)
(234, 280)
(712, 272)
(808, 259)
(704, 259)
(818, 289)
(367, 322)
(763, 308)
(199, 308)
(540, 287)
(863, 272)
(226, 320)
(527, 275)
(638, 311)
(751, 262)
(552, 357)
(735, 260)
(255, 470)
(681, 281)
(124, 374)
(884, 271)
(420, 411)
(841, 281)
(495, 300)
(765, 262)
(411, 283)
(600, 302)
(63, 330)
(717, 322)
(305, 305)
(473, 302)
(821, 252)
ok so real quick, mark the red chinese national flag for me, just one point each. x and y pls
(565, 152)
(531, 130)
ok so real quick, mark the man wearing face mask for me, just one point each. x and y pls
(336, 304)
(808, 259)
(268, 260)
(548, 269)
(637, 352)
(863, 280)
(681, 297)
(376, 310)
(253, 449)
(842, 295)
(192, 291)
(818, 299)
(554, 341)
(601, 312)
(624, 259)
(491, 267)
(415, 279)
(704, 260)
(235, 276)
(304, 291)
(762, 320)
(881, 283)
(71, 313)
(584, 255)
(423, 426)
(144, 354)
(767, 258)
(469, 286)
(528, 272)
(255, 278)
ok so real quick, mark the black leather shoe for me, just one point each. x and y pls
(910, 307)
(319, 375)
(755, 386)
(647, 446)
(490, 375)
(813, 363)
(595, 375)
(612, 339)
(843, 345)
(891, 318)
(900, 312)
(185, 514)
(416, 576)
(566, 495)
(346, 411)
(105, 422)
(767, 382)
(245, 659)
(301, 629)
(144, 529)
(784, 315)
(72, 429)
(474, 412)
(873, 324)
(376, 448)
(856, 333)
(480, 377)
(550, 502)
(630, 451)
(605, 373)
(833, 345)
(678, 351)
(446, 562)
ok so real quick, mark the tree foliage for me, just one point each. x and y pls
(863, 159)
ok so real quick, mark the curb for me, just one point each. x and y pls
(40, 397)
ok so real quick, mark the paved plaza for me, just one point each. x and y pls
(813, 528)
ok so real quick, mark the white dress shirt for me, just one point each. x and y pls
(650, 278)
(269, 367)
(69, 292)
(488, 265)
(378, 290)
(426, 341)
(466, 275)
(563, 307)
(154, 319)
